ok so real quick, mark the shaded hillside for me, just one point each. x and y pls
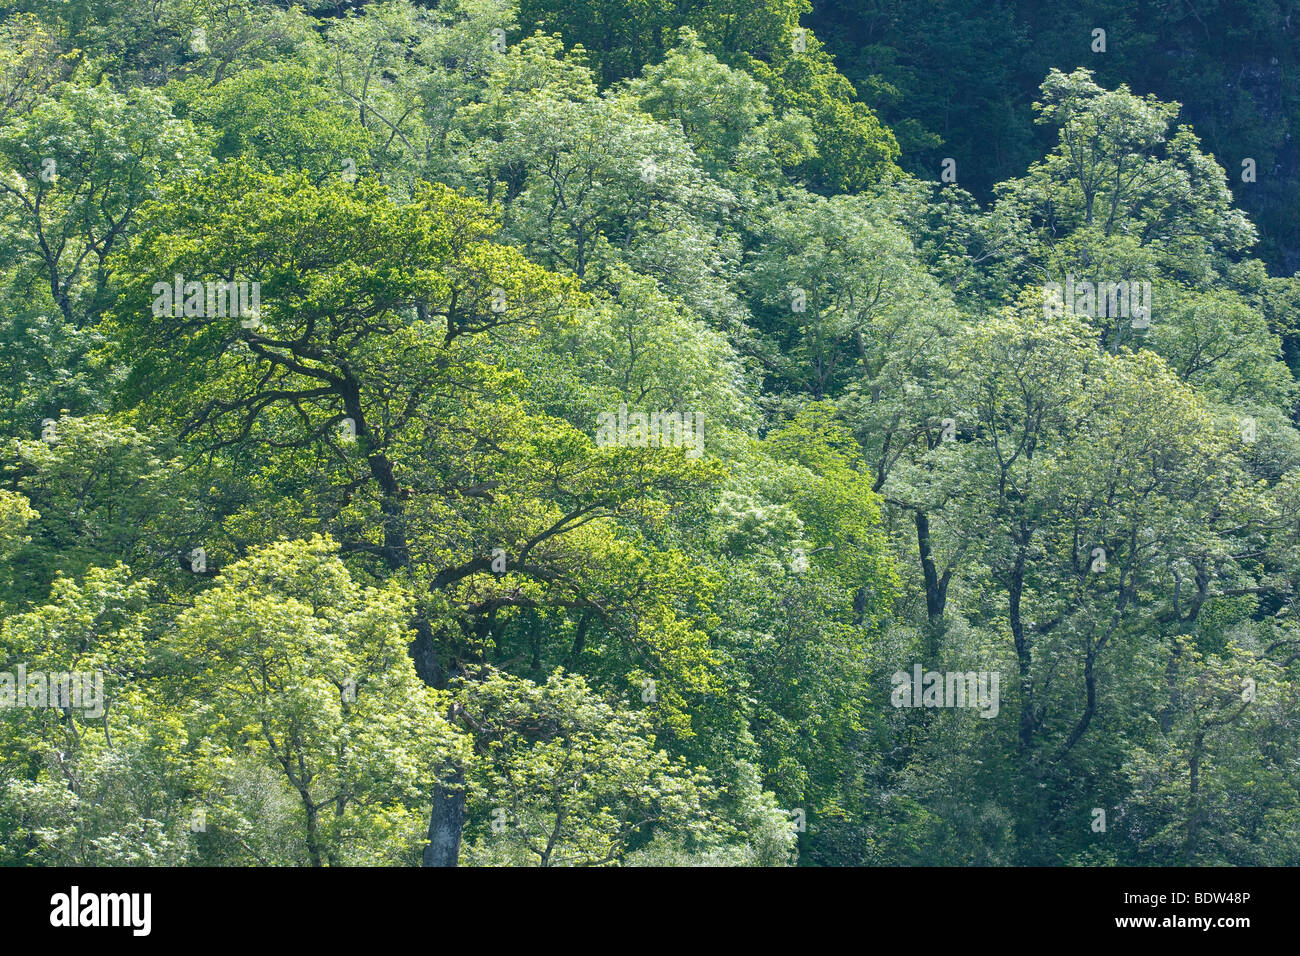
(960, 82)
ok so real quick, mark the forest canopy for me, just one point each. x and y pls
(631, 433)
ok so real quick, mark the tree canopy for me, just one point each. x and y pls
(495, 433)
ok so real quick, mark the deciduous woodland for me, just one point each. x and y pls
(540, 433)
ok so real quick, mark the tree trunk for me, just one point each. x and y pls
(936, 586)
(1024, 658)
(446, 821)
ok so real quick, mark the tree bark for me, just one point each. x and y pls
(936, 586)
(1024, 657)
(446, 821)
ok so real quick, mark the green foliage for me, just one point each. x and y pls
(764, 39)
(960, 83)
(545, 435)
(575, 782)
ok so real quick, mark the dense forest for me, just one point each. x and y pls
(960, 78)
(649, 432)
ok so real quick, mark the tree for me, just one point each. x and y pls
(77, 167)
(289, 660)
(568, 780)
